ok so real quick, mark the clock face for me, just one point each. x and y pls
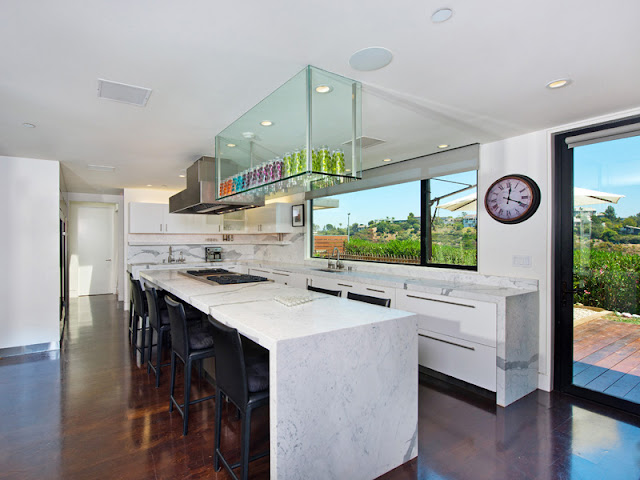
(512, 199)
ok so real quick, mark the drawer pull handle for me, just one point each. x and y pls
(442, 301)
(256, 270)
(345, 285)
(445, 341)
(374, 290)
(283, 274)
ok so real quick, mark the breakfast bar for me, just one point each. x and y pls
(343, 374)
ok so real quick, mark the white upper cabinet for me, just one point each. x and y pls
(273, 218)
(155, 218)
(147, 217)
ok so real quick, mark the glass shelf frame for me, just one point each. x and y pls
(314, 139)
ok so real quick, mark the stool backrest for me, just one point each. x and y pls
(154, 308)
(384, 302)
(139, 301)
(178, 322)
(335, 293)
(231, 372)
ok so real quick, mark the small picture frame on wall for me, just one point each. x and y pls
(297, 215)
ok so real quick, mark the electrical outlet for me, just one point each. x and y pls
(523, 261)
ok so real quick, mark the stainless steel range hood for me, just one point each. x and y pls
(200, 194)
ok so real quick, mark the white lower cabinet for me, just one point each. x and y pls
(471, 362)
(285, 278)
(457, 336)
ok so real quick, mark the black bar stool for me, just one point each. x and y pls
(244, 379)
(384, 302)
(335, 293)
(189, 344)
(140, 312)
(158, 321)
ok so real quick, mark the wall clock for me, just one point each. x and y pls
(512, 199)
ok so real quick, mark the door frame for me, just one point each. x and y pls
(563, 267)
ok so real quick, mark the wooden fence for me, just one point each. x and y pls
(326, 243)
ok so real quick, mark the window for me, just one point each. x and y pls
(385, 224)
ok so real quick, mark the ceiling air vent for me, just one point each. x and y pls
(121, 92)
(367, 142)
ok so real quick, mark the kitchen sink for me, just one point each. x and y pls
(330, 270)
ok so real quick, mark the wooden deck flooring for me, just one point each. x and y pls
(606, 358)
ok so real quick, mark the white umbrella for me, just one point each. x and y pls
(584, 196)
(581, 196)
(467, 203)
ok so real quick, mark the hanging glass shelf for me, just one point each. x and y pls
(305, 135)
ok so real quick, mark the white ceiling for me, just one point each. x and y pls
(478, 77)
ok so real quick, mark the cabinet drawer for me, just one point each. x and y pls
(468, 361)
(457, 317)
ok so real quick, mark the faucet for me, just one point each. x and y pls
(170, 259)
(181, 259)
(339, 265)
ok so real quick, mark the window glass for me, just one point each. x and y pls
(385, 224)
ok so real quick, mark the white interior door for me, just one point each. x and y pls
(95, 249)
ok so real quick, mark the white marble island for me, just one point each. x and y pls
(343, 375)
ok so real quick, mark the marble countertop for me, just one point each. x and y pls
(253, 310)
(461, 285)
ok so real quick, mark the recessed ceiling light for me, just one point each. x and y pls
(371, 58)
(386, 160)
(182, 175)
(441, 15)
(29, 125)
(149, 185)
(101, 168)
(323, 88)
(347, 170)
(562, 82)
(443, 145)
(231, 145)
(266, 123)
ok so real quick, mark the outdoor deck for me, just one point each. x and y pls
(607, 358)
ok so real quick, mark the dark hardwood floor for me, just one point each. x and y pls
(91, 412)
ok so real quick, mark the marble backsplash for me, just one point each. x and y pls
(290, 251)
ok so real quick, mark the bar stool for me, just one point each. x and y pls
(383, 302)
(244, 380)
(189, 344)
(131, 308)
(335, 293)
(158, 321)
(140, 312)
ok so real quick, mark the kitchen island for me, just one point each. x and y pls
(343, 375)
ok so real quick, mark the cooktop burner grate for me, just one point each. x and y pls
(233, 279)
(210, 271)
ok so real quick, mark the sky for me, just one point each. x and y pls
(395, 201)
(612, 167)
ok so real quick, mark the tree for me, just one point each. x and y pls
(610, 213)
(610, 236)
(630, 222)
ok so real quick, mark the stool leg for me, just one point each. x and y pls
(134, 339)
(130, 321)
(159, 343)
(173, 380)
(144, 337)
(187, 391)
(218, 423)
(244, 450)
(150, 348)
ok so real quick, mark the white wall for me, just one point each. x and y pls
(119, 231)
(30, 280)
(498, 243)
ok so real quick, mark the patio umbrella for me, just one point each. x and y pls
(584, 196)
(467, 203)
(581, 196)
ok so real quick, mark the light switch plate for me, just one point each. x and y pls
(523, 261)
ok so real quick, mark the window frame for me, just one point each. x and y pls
(424, 227)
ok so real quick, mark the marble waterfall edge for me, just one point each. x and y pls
(376, 432)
